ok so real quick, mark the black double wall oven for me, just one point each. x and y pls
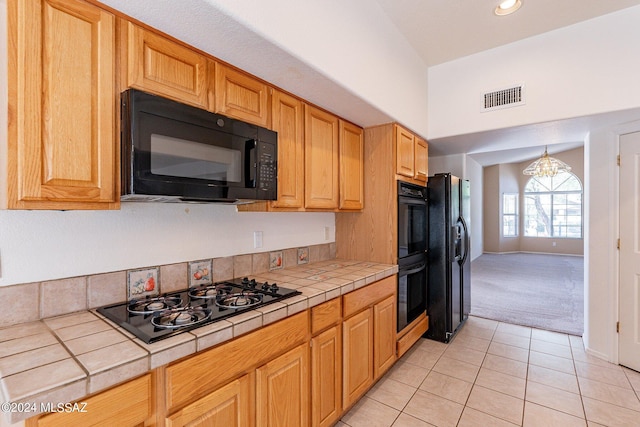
(412, 252)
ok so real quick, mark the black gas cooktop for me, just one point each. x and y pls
(155, 318)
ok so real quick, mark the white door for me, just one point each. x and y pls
(629, 316)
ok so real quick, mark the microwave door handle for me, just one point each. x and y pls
(250, 163)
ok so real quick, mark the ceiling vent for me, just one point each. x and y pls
(503, 98)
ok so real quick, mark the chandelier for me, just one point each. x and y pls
(546, 166)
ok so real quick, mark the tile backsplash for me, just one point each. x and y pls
(34, 301)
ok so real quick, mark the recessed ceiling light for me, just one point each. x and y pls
(507, 7)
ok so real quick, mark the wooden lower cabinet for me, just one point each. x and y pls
(129, 404)
(357, 356)
(306, 369)
(384, 336)
(368, 337)
(282, 390)
(229, 406)
(326, 377)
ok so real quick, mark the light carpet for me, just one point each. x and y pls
(537, 290)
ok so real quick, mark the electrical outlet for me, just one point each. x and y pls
(257, 239)
(553, 244)
(326, 233)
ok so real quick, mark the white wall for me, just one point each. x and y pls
(473, 172)
(587, 68)
(601, 233)
(44, 245)
(453, 164)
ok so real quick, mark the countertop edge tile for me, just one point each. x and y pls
(106, 379)
(172, 354)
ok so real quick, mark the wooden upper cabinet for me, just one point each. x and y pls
(412, 156)
(288, 121)
(422, 160)
(62, 106)
(241, 96)
(351, 166)
(321, 159)
(404, 152)
(161, 66)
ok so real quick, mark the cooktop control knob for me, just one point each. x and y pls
(245, 281)
(266, 286)
(252, 283)
(274, 288)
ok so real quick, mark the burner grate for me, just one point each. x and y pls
(154, 305)
(181, 317)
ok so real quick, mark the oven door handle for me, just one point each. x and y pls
(412, 269)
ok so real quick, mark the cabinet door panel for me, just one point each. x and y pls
(326, 378)
(61, 106)
(384, 338)
(357, 353)
(321, 159)
(282, 390)
(241, 96)
(351, 166)
(404, 152)
(229, 406)
(422, 160)
(161, 66)
(288, 121)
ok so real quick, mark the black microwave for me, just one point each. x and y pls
(172, 152)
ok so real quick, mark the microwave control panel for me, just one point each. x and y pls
(267, 170)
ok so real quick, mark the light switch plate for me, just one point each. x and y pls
(257, 239)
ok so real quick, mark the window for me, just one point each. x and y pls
(553, 206)
(510, 214)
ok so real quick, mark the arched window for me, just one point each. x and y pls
(553, 206)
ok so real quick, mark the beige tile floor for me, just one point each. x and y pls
(498, 374)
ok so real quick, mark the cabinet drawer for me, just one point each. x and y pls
(229, 406)
(325, 315)
(368, 295)
(127, 404)
(193, 378)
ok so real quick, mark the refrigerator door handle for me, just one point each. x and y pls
(464, 240)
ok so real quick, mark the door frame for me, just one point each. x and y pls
(627, 128)
(633, 128)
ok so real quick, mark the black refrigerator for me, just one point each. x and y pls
(449, 276)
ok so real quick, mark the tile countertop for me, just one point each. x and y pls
(63, 359)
